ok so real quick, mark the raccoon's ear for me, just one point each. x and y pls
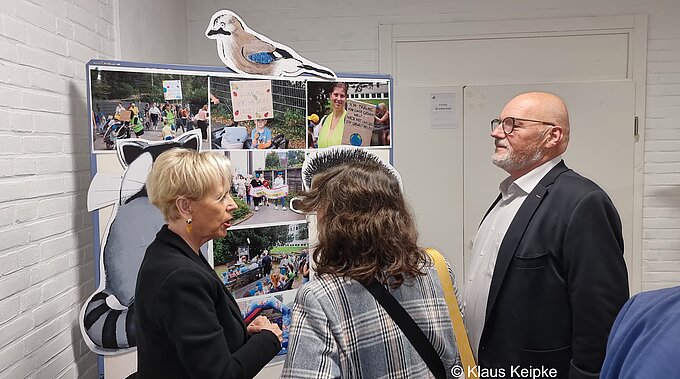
(129, 150)
(190, 140)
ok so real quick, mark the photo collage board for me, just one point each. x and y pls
(266, 126)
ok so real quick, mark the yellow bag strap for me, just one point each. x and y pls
(462, 340)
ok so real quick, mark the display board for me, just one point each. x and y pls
(265, 125)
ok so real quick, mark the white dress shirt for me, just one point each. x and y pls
(487, 243)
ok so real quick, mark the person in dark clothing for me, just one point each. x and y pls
(189, 325)
(256, 182)
(547, 277)
(266, 263)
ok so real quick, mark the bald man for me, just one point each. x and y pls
(548, 276)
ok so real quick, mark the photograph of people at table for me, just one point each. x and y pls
(260, 261)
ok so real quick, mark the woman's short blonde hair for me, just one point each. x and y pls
(188, 173)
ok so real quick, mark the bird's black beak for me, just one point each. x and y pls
(218, 31)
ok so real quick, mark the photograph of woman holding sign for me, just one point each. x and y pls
(333, 124)
(355, 113)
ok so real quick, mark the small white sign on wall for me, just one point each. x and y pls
(443, 112)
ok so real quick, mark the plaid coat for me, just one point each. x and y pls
(340, 331)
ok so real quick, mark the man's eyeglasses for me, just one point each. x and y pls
(509, 123)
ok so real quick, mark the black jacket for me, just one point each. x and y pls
(559, 280)
(189, 324)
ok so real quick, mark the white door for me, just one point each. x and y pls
(601, 146)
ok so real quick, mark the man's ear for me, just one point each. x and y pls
(555, 136)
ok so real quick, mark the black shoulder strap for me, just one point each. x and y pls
(409, 327)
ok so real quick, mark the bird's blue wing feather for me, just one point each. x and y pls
(262, 58)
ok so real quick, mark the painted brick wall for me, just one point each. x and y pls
(46, 260)
(343, 36)
(661, 202)
(153, 31)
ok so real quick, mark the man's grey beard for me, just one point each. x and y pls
(513, 162)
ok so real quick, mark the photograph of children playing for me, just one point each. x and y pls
(257, 114)
(259, 261)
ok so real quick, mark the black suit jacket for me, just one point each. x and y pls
(559, 280)
(189, 324)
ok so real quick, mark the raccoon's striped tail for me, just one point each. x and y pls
(109, 328)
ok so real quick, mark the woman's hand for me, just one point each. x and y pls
(259, 321)
(274, 328)
(262, 323)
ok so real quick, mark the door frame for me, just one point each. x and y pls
(635, 26)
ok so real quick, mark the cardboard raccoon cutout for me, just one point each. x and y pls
(107, 318)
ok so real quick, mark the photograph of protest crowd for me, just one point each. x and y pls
(145, 104)
(264, 182)
(257, 114)
(348, 113)
(260, 261)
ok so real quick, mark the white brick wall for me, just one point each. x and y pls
(661, 203)
(46, 258)
(154, 31)
(343, 36)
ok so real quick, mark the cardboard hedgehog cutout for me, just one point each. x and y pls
(247, 52)
(107, 319)
(323, 159)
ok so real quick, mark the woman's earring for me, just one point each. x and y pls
(189, 227)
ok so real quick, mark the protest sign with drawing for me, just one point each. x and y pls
(358, 123)
(251, 99)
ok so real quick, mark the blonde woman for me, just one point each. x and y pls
(189, 324)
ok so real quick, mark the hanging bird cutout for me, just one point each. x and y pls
(247, 52)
